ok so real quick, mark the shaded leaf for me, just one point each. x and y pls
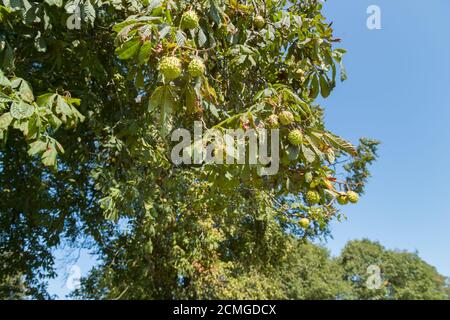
(145, 52)
(129, 49)
(37, 147)
(5, 120)
(21, 110)
(49, 157)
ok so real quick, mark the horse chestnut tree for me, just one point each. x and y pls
(85, 120)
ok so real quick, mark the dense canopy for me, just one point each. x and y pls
(90, 92)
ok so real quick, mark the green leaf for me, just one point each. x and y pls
(154, 4)
(24, 88)
(216, 12)
(129, 49)
(37, 147)
(88, 12)
(46, 100)
(34, 126)
(331, 156)
(314, 87)
(343, 71)
(201, 37)
(341, 144)
(164, 31)
(167, 107)
(214, 110)
(57, 3)
(22, 126)
(4, 81)
(292, 152)
(5, 120)
(62, 107)
(308, 154)
(119, 26)
(59, 147)
(49, 157)
(139, 79)
(324, 86)
(4, 98)
(156, 99)
(180, 38)
(315, 144)
(55, 122)
(145, 52)
(191, 100)
(8, 57)
(21, 110)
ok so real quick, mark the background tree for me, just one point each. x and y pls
(405, 276)
(311, 274)
(11, 287)
(85, 117)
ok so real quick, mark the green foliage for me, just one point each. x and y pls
(85, 117)
(177, 250)
(366, 154)
(311, 274)
(306, 272)
(12, 287)
(405, 275)
(36, 118)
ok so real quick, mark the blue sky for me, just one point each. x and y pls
(398, 92)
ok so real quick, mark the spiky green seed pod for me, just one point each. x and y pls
(286, 118)
(272, 121)
(189, 20)
(352, 196)
(295, 137)
(304, 223)
(312, 197)
(342, 199)
(170, 67)
(196, 67)
(259, 22)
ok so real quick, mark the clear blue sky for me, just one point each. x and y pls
(398, 91)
